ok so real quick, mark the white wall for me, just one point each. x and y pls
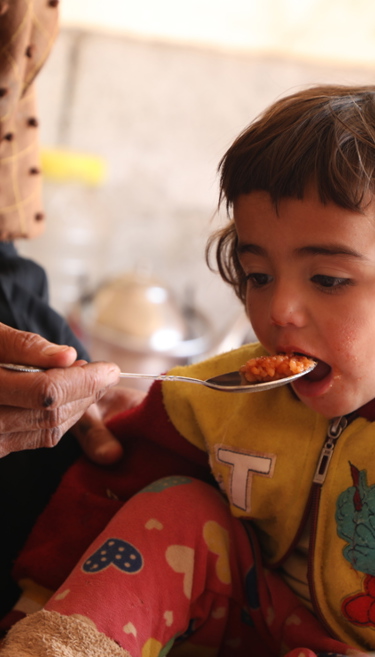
(339, 31)
(161, 116)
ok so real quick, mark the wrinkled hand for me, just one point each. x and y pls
(96, 440)
(37, 409)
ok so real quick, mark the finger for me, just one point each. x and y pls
(40, 437)
(14, 420)
(96, 441)
(56, 387)
(31, 349)
(119, 399)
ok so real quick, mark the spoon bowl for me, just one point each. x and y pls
(228, 382)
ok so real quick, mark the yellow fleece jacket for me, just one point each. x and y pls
(264, 450)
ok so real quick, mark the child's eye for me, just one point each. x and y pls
(330, 282)
(258, 280)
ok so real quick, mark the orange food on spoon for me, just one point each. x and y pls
(272, 368)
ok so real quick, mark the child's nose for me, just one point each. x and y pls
(287, 306)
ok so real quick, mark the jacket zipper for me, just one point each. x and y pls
(335, 429)
(334, 432)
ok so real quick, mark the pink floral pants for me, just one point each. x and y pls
(175, 571)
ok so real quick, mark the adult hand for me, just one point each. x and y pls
(96, 440)
(37, 409)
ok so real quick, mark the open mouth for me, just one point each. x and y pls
(316, 382)
(319, 372)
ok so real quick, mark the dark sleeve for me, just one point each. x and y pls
(24, 302)
(27, 312)
(28, 478)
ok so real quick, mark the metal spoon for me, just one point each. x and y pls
(229, 382)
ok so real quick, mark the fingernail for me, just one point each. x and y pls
(114, 374)
(52, 349)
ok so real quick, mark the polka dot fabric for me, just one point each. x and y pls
(28, 29)
(117, 553)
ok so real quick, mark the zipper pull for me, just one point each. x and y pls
(335, 429)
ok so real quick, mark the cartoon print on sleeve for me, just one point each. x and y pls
(355, 517)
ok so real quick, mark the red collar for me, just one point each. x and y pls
(368, 411)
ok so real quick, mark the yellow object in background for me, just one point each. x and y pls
(67, 166)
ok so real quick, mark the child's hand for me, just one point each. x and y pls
(95, 439)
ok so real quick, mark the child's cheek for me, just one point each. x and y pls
(346, 341)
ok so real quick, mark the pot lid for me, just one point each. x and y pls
(142, 310)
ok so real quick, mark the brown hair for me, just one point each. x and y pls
(324, 135)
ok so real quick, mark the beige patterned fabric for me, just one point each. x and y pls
(28, 29)
(48, 634)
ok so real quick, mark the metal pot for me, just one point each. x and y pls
(136, 321)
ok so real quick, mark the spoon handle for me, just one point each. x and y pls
(123, 375)
(160, 377)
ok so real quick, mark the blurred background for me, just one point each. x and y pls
(137, 104)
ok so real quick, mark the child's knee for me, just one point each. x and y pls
(187, 500)
(177, 510)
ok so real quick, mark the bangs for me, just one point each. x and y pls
(322, 139)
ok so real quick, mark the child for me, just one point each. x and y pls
(277, 556)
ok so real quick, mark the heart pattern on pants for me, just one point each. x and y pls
(114, 552)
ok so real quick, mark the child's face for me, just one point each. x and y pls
(311, 290)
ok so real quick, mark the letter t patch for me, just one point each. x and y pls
(243, 467)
